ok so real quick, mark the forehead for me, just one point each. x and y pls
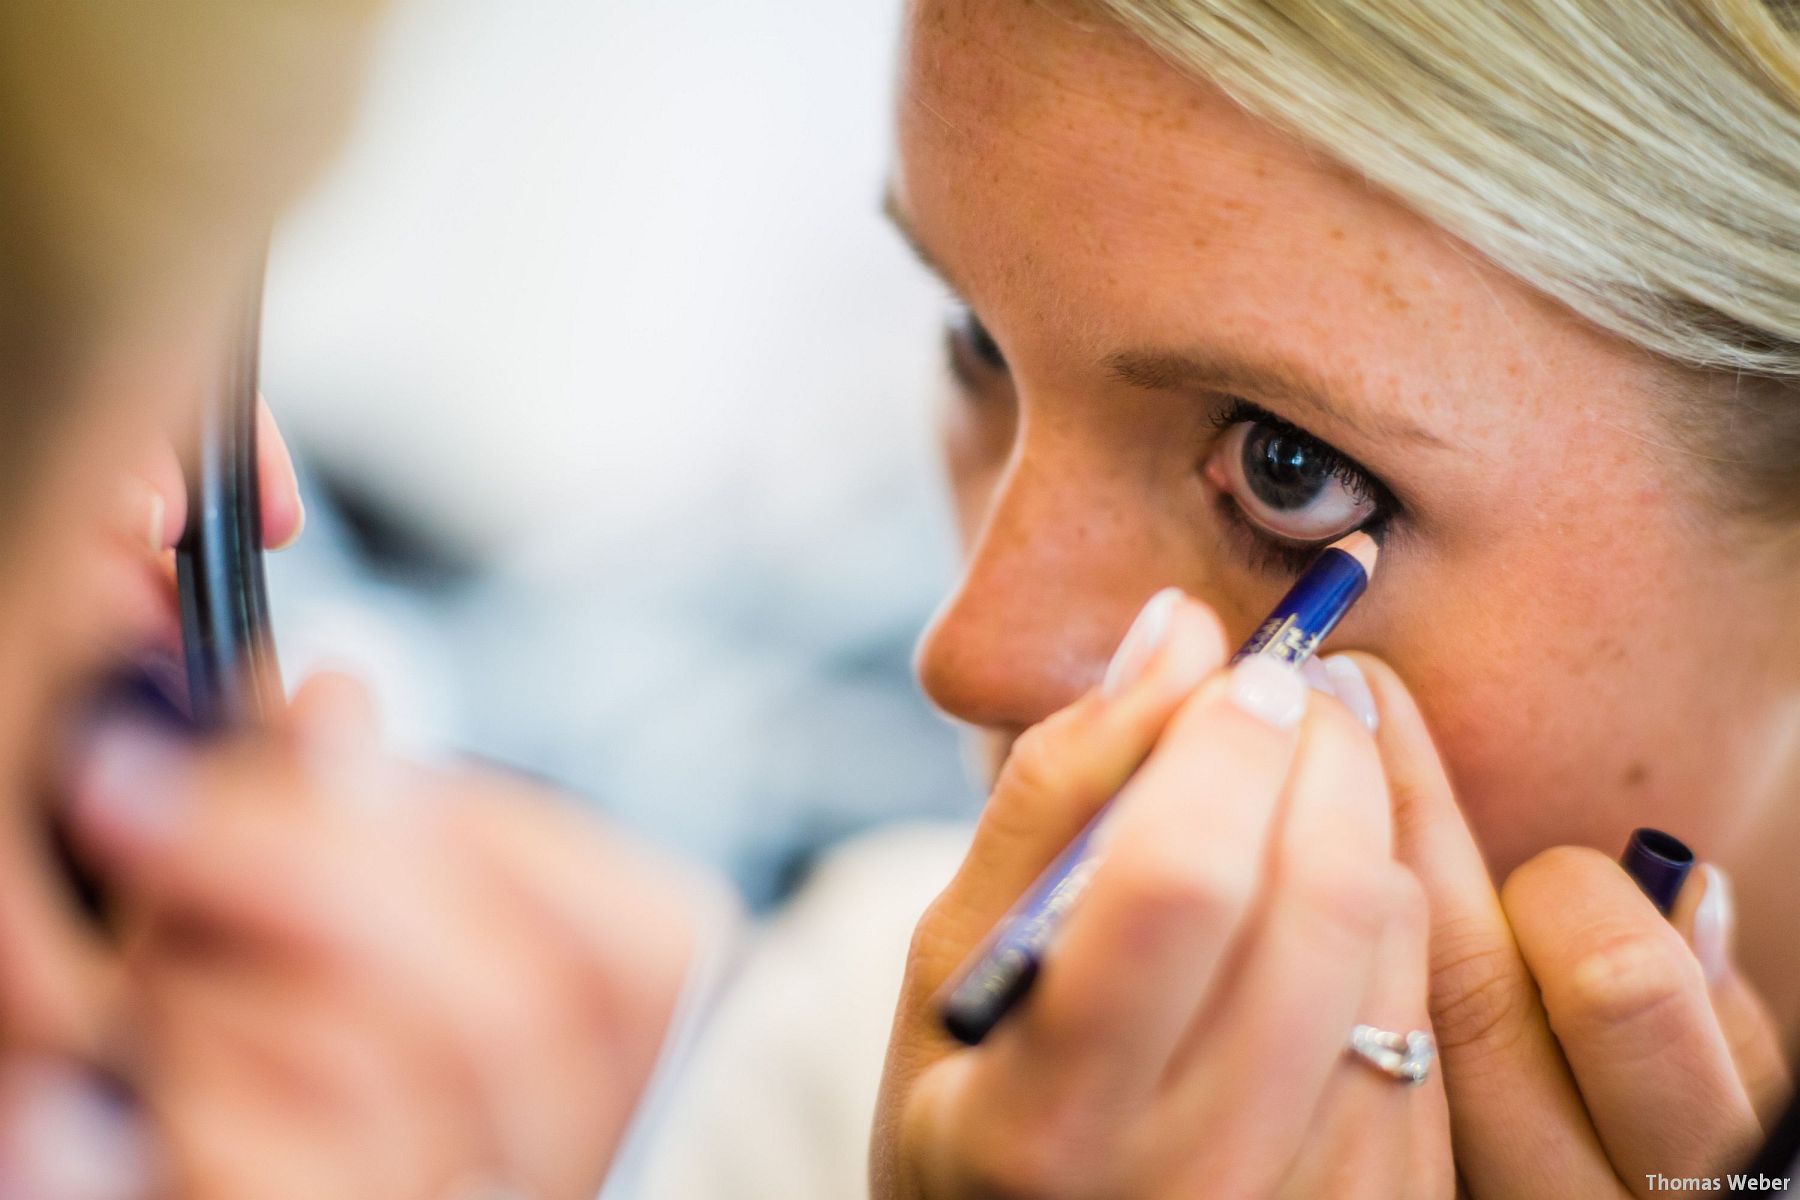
(1069, 179)
(1068, 119)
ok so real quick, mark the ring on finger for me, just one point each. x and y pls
(1406, 1058)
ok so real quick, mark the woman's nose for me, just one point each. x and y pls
(1052, 581)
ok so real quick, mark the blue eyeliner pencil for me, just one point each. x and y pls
(1000, 974)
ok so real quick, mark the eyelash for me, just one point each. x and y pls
(1276, 555)
(973, 354)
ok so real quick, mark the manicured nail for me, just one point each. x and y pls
(1351, 687)
(128, 785)
(1317, 677)
(1713, 920)
(1659, 863)
(68, 1136)
(1271, 691)
(1141, 642)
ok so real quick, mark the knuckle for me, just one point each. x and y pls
(1340, 765)
(1479, 995)
(1550, 872)
(1029, 1158)
(1012, 1172)
(1039, 761)
(1626, 978)
(1161, 889)
(1329, 722)
(1347, 899)
(1410, 801)
(1408, 905)
(934, 949)
(1039, 784)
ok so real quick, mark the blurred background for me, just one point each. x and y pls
(612, 391)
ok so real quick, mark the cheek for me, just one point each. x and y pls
(1578, 708)
(1536, 759)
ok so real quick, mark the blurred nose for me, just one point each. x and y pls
(1054, 576)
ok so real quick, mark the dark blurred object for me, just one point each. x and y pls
(233, 676)
(390, 544)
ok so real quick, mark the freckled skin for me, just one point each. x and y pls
(1595, 647)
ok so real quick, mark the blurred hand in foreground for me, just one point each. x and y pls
(350, 977)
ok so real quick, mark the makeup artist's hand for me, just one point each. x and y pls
(353, 978)
(1187, 1034)
(154, 512)
(1585, 1046)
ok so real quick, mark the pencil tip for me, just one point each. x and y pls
(1362, 548)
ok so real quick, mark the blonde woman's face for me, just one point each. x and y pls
(1192, 350)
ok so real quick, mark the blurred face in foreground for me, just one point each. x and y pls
(1188, 350)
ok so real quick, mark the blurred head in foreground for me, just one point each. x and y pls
(144, 149)
(326, 972)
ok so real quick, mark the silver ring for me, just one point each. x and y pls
(1405, 1057)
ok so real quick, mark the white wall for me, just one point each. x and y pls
(587, 268)
(601, 295)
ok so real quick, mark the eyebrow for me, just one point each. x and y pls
(1284, 380)
(1160, 371)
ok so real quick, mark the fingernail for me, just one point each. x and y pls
(298, 529)
(128, 784)
(1142, 640)
(1268, 690)
(145, 513)
(159, 511)
(1317, 677)
(1713, 921)
(1351, 687)
(69, 1136)
(1659, 863)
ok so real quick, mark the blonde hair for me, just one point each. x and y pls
(1638, 160)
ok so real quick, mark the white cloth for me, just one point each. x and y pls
(776, 1101)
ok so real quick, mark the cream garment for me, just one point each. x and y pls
(776, 1098)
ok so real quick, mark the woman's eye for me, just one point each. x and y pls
(973, 350)
(1289, 484)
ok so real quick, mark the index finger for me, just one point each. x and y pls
(1179, 874)
(1060, 773)
(1517, 1120)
